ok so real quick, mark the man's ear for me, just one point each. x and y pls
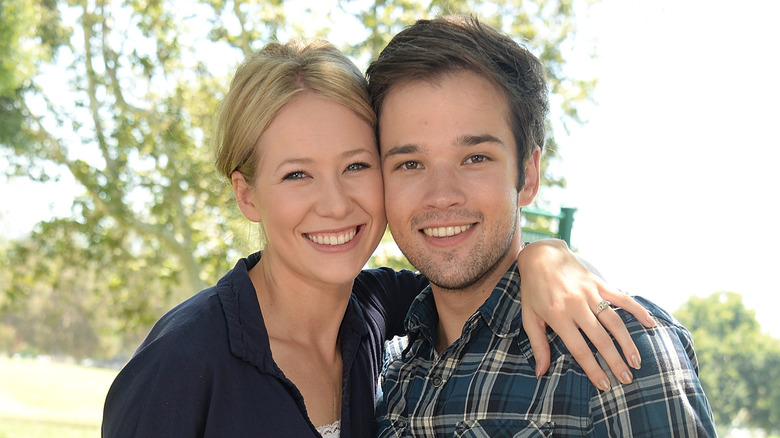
(532, 178)
(244, 198)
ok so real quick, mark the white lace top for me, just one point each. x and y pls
(332, 430)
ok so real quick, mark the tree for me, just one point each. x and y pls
(738, 365)
(119, 96)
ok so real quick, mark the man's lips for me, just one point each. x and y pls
(447, 231)
(333, 239)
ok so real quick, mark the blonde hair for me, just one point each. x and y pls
(271, 78)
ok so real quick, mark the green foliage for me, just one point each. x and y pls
(389, 255)
(23, 22)
(739, 365)
(120, 96)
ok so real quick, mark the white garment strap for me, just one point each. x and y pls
(332, 430)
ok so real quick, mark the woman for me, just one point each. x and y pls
(263, 353)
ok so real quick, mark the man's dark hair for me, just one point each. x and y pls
(430, 49)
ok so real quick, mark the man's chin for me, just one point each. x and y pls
(451, 282)
(459, 274)
(450, 278)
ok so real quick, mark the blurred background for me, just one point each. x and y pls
(663, 139)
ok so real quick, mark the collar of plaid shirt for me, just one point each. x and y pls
(501, 312)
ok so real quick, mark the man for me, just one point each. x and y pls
(461, 125)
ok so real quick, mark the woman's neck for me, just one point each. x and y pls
(303, 319)
(298, 309)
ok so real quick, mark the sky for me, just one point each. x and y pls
(675, 172)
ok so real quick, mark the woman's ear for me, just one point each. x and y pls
(532, 178)
(245, 197)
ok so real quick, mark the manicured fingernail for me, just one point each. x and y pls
(650, 321)
(626, 377)
(604, 384)
(636, 362)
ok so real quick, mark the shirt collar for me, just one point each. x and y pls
(501, 311)
(247, 334)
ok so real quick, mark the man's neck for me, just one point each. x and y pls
(455, 307)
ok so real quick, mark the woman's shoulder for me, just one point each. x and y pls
(389, 279)
(385, 296)
(190, 327)
(181, 359)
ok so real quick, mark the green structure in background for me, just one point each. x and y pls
(534, 231)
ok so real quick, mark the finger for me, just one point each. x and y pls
(633, 307)
(537, 335)
(582, 353)
(610, 319)
(625, 301)
(606, 346)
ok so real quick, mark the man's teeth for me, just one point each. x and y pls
(445, 231)
(332, 239)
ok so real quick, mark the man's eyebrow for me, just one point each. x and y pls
(402, 149)
(473, 140)
(463, 140)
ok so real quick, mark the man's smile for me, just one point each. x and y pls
(448, 231)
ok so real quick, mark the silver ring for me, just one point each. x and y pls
(602, 305)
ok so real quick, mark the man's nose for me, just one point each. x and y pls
(443, 188)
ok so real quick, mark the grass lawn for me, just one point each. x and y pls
(47, 399)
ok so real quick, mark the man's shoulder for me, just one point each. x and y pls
(667, 342)
(655, 310)
(665, 322)
(665, 348)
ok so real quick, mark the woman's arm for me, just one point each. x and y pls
(557, 290)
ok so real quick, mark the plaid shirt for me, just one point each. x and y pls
(484, 385)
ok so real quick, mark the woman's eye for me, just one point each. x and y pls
(295, 175)
(357, 166)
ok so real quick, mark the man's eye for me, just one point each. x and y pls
(476, 159)
(295, 175)
(410, 165)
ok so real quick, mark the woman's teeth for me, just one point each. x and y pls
(332, 239)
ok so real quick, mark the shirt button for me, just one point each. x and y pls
(436, 381)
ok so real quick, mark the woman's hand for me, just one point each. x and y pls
(558, 291)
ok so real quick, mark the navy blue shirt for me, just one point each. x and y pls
(206, 370)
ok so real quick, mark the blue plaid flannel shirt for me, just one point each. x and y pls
(484, 385)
